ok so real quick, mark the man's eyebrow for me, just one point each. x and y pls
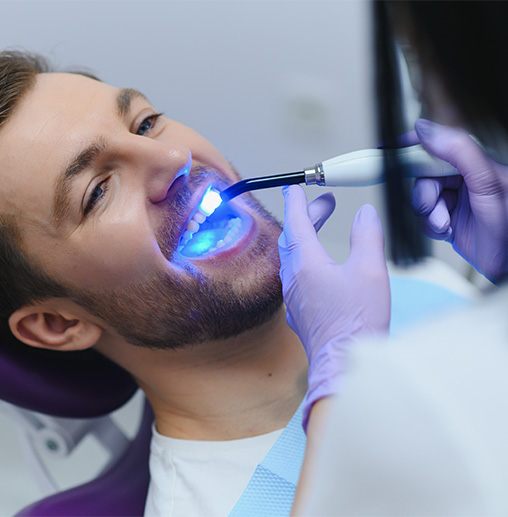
(82, 161)
(124, 98)
(85, 158)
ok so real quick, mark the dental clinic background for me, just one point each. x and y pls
(276, 85)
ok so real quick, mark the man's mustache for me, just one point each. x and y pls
(177, 207)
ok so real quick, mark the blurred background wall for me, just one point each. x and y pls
(275, 85)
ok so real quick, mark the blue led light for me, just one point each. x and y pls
(201, 243)
(211, 201)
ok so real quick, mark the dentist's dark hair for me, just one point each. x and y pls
(407, 244)
(465, 45)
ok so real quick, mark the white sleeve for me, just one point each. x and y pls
(403, 437)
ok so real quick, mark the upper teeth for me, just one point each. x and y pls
(199, 217)
(193, 226)
(233, 228)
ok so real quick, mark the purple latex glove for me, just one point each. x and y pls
(469, 210)
(328, 304)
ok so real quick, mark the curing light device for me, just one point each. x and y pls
(356, 169)
(217, 225)
(211, 201)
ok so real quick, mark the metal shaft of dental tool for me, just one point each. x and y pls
(356, 169)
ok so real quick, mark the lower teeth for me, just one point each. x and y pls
(232, 229)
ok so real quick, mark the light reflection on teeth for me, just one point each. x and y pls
(199, 217)
(193, 226)
(233, 228)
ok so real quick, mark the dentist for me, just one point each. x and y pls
(416, 425)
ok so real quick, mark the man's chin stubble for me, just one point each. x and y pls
(171, 313)
(168, 312)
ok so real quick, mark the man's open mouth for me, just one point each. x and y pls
(206, 235)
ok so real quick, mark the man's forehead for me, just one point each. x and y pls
(65, 92)
(55, 102)
(62, 82)
(51, 119)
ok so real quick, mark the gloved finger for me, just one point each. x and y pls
(437, 225)
(439, 219)
(436, 236)
(367, 238)
(451, 198)
(320, 209)
(298, 227)
(405, 139)
(409, 138)
(457, 148)
(426, 192)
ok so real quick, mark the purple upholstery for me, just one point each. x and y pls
(80, 384)
(121, 491)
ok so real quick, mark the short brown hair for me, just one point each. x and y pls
(17, 76)
(21, 282)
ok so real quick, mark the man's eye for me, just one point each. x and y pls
(147, 124)
(97, 194)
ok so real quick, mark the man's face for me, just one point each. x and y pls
(103, 190)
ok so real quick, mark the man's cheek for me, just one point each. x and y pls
(114, 260)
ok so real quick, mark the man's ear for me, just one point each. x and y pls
(54, 326)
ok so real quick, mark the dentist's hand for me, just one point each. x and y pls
(328, 304)
(470, 210)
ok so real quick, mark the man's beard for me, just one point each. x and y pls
(170, 312)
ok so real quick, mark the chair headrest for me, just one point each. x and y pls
(80, 384)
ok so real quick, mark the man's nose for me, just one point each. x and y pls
(174, 163)
(162, 165)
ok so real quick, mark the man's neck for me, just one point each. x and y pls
(223, 390)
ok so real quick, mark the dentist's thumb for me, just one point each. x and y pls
(298, 227)
(302, 221)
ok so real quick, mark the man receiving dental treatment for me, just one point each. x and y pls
(104, 246)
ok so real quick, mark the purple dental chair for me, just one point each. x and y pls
(86, 387)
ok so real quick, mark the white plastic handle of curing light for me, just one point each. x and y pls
(364, 168)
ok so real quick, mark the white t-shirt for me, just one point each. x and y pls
(420, 426)
(192, 478)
